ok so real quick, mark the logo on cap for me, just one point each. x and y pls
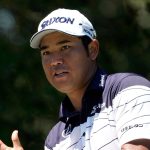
(57, 20)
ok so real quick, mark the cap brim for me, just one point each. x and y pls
(37, 37)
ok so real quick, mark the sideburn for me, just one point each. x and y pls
(86, 41)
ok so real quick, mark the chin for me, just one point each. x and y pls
(63, 89)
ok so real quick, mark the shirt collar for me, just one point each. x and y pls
(94, 92)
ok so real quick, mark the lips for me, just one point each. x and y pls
(60, 74)
(59, 71)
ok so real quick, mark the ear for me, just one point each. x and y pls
(93, 48)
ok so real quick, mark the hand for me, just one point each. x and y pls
(15, 141)
(139, 144)
(134, 147)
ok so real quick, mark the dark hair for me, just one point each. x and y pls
(86, 41)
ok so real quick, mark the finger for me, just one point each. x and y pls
(15, 140)
(2, 146)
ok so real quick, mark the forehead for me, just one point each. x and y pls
(57, 37)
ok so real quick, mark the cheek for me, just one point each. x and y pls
(80, 66)
(82, 61)
(46, 68)
(44, 65)
(45, 62)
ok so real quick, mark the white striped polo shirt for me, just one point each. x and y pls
(115, 110)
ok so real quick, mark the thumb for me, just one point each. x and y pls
(16, 141)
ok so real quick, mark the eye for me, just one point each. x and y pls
(65, 47)
(45, 53)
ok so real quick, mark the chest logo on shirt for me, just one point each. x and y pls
(97, 108)
(67, 131)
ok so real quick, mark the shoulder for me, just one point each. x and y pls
(127, 79)
(120, 81)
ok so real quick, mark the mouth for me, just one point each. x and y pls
(60, 74)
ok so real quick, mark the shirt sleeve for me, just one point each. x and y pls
(131, 107)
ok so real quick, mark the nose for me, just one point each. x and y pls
(56, 59)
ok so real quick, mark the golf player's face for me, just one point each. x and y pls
(65, 61)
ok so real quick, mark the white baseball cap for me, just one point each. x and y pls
(68, 21)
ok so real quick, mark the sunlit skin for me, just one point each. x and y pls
(15, 141)
(69, 68)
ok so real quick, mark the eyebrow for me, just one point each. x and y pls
(58, 43)
(63, 42)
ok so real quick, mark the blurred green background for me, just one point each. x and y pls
(27, 101)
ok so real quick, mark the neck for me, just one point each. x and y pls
(76, 98)
(77, 95)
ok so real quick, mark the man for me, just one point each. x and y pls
(100, 111)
